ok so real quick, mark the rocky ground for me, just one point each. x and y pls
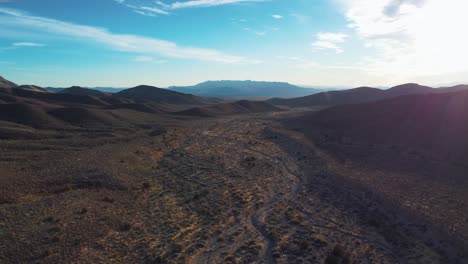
(240, 189)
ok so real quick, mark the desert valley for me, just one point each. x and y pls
(150, 175)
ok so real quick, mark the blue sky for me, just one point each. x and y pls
(124, 43)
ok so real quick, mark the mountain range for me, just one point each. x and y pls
(245, 89)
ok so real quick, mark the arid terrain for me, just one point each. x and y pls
(107, 180)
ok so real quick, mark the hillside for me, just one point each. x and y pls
(102, 89)
(361, 95)
(76, 90)
(357, 95)
(164, 96)
(32, 88)
(6, 84)
(411, 149)
(245, 89)
(431, 121)
(235, 108)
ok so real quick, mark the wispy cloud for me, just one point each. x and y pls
(162, 8)
(143, 58)
(28, 44)
(154, 10)
(20, 21)
(144, 10)
(208, 3)
(327, 40)
(277, 16)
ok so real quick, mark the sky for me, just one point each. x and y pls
(341, 43)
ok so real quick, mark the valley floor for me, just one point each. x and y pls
(238, 189)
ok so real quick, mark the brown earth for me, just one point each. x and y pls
(236, 189)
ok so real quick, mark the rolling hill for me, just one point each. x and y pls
(102, 89)
(32, 88)
(438, 122)
(361, 95)
(245, 89)
(76, 90)
(163, 96)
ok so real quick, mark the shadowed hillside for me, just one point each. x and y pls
(432, 121)
(235, 108)
(76, 90)
(416, 119)
(32, 88)
(158, 95)
(398, 145)
(361, 95)
(27, 114)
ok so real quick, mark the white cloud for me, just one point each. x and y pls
(19, 21)
(277, 16)
(327, 45)
(412, 37)
(28, 44)
(327, 40)
(332, 37)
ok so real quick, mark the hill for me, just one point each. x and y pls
(76, 90)
(53, 98)
(4, 83)
(361, 95)
(102, 89)
(356, 95)
(32, 88)
(164, 96)
(26, 114)
(245, 89)
(456, 88)
(81, 116)
(434, 122)
(235, 108)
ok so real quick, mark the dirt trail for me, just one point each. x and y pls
(299, 187)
